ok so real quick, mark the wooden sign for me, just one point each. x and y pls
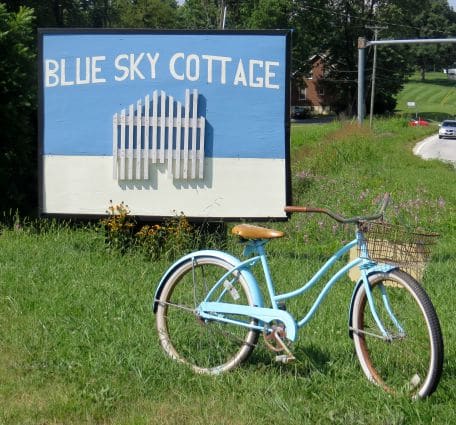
(164, 121)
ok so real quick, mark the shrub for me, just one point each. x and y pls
(169, 239)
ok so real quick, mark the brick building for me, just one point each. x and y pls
(308, 94)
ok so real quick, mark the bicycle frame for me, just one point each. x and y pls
(215, 310)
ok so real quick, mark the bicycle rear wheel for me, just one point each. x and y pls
(207, 346)
(410, 362)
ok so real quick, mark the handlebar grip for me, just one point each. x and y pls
(291, 209)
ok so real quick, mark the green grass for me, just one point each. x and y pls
(77, 337)
(435, 98)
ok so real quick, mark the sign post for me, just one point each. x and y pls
(413, 105)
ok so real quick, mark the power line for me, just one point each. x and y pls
(366, 20)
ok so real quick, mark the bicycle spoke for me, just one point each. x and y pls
(209, 346)
(182, 307)
(405, 361)
(373, 334)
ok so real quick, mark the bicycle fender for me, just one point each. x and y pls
(257, 296)
(379, 268)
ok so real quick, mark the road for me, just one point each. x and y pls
(434, 148)
(314, 120)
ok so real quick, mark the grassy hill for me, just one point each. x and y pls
(435, 98)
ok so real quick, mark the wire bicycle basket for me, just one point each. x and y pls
(400, 246)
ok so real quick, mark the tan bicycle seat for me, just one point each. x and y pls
(248, 231)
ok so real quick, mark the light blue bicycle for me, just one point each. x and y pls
(210, 310)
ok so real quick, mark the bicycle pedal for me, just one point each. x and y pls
(285, 358)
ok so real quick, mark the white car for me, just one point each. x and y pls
(447, 129)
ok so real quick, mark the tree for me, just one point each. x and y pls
(340, 24)
(54, 13)
(102, 13)
(18, 184)
(154, 14)
(435, 20)
(203, 14)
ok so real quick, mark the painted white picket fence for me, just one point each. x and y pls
(159, 130)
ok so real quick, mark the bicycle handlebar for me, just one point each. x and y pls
(340, 218)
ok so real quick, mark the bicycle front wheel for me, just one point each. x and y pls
(207, 346)
(410, 360)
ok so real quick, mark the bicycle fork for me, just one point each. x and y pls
(366, 268)
(384, 296)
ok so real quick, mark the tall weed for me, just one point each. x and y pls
(119, 227)
(169, 239)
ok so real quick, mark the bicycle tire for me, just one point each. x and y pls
(209, 347)
(410, 364)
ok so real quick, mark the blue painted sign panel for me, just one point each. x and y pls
(180, 98)
(241, 80)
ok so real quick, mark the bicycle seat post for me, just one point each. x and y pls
(253, 247)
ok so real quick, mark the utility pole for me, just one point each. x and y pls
(374, 66)
(361, 65)
(223, 8)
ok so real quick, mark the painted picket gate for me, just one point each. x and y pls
(159, 130)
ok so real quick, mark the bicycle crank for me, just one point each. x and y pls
(274, 342)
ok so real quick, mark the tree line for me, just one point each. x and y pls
(329, 27)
